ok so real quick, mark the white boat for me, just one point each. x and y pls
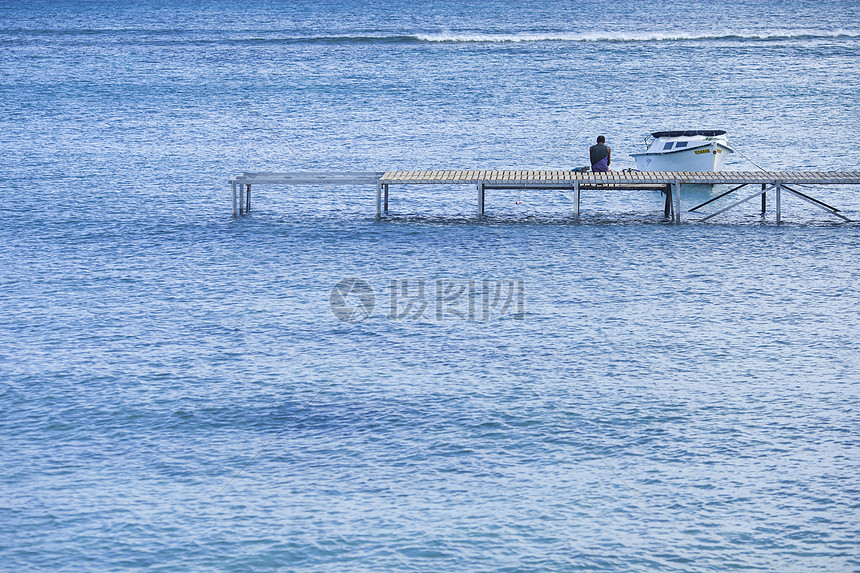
(693, 150)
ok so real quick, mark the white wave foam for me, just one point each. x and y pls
(454, 37)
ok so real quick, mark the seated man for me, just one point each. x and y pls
(601, 155)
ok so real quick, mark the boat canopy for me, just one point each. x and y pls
(689, 133)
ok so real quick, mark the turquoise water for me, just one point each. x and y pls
(526, 393)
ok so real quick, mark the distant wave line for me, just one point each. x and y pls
(535, 37)
(622, 37)
(529, 37)
(275, 37)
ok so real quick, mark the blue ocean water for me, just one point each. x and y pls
(178, 390)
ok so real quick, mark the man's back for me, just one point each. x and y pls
(598, 152)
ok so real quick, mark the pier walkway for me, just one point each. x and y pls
(668, 182)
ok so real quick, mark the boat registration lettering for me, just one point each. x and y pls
(701, 151)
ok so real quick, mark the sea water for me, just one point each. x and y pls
(308, 389)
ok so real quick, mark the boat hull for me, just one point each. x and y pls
(710, 157)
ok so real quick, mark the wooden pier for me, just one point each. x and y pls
(669, 182)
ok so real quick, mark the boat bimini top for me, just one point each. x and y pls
(689, 133)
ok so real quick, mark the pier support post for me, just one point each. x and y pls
(576, 200)
(778, 203)
(378, 199)
(667, 207)
(676, 191)
(234, 199)
(763, 198)
(385, 188)
(248, 199)
(480, 198)
(241, 198)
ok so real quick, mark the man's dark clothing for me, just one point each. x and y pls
(599, 157)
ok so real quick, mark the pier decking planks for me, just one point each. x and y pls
(519, 177)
